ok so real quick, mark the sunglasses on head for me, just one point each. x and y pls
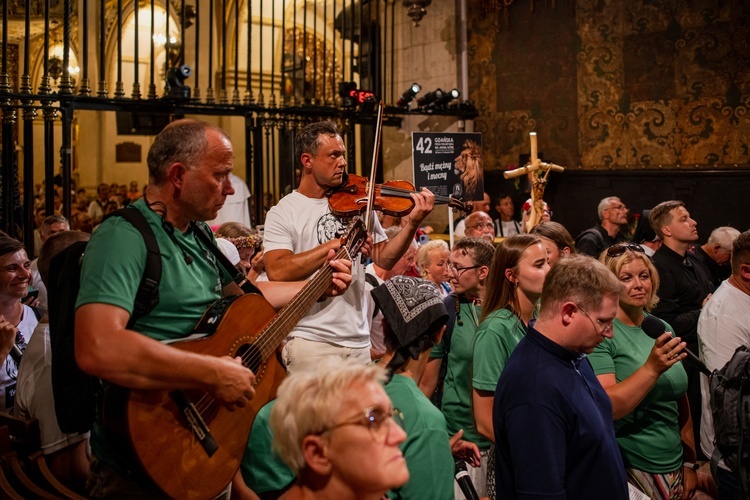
(617, 250)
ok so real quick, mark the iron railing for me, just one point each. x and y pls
(278, 64)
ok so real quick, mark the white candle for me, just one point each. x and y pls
(532, 138)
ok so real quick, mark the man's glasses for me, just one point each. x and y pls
(619, 249)
(487, 225)
(458, 270)
(603, 325)
(377, 420)
(618, 207)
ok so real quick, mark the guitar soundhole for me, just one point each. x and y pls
(251, 356)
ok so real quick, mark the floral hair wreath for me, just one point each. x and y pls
(527, 206)
(251, 241)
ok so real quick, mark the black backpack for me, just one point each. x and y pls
(730, 407)
(75, 391)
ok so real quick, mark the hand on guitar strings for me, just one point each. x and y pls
(234, 383)
(342, 275)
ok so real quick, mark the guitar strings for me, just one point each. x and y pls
(312, 291)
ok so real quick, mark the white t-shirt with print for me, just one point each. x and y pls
(9, 369)
(299, 224)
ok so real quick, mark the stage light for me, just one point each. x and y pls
(176, 88)
(437, 99)
(408, 95)
(430, 98)
(447, 97)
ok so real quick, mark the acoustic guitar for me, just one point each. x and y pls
(189, 444)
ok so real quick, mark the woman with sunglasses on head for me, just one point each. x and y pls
(646, 384)
(333, 425)
(513, 288)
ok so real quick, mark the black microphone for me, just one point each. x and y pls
(654, 328)
(464, 481)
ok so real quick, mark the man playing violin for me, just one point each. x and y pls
(189, 165)
(299, 233)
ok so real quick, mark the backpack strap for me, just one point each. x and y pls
(147, 295)
(715, 458)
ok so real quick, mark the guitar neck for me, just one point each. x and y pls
(289, 315)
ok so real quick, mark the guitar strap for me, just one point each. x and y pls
(208, 241)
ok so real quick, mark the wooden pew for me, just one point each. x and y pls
(25, 460)
(6, 488)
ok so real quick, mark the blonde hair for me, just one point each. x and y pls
(309, 400)
(614, 264)
(423, 257)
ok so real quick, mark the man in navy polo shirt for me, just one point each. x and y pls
(553, 421)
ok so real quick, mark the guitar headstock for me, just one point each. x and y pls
(354, 238)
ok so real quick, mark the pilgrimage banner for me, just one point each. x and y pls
(449, 163)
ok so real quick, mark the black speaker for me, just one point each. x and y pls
(129, 123)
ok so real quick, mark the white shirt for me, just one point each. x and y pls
(9, 369)
(236, 207)
(724, 325)
(34, 398)
(298, 223)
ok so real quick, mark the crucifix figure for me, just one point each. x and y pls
(538, 182)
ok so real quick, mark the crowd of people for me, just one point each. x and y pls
(523, 361)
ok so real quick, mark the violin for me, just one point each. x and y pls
(391, 198)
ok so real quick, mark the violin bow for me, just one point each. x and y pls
(374, 168)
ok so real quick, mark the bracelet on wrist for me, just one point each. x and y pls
(691, 465)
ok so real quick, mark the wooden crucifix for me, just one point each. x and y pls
(538, 182)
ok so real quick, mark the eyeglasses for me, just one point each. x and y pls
(377, 420)
(458, 270)
(605, 325)
(619, 249)
(487, 225)
(618, 207)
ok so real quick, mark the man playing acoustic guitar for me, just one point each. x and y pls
(301, 230)
(189, 165)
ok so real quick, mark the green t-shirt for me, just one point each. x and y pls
(497, 337)
(262, 468)
(426, 449)
(456, 405)
(113, 265)
(649, 437)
